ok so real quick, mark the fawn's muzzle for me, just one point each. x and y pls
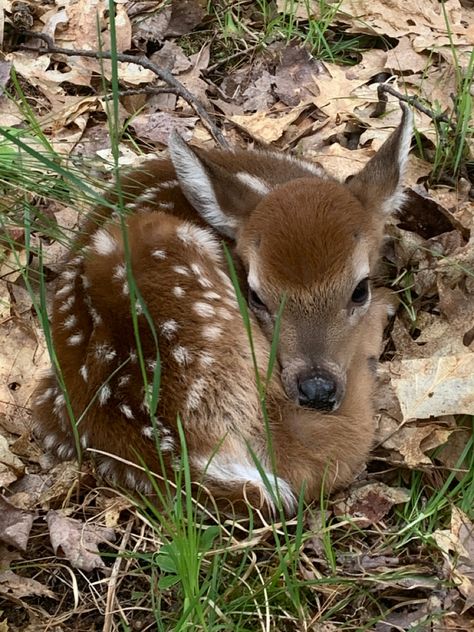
(318, 391)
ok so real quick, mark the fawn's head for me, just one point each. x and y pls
(304, 239)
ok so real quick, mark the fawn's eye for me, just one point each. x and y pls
(255, 301)
(360, 294)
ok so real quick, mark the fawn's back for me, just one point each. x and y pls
(148, 332)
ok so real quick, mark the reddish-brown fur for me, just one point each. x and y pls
(306, 239)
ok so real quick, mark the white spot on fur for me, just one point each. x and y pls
(167, 444)
(123, 380)
(178, 291)
(169, 328)
(66, 289)
(148, 432)
(211, 332)
(151, 365)
(94, 314)
(125, 290)
(50, 441)
(70, 321)
(84, 372)
(196, 268)
(104, 352)
(120, 272)
(75, 339)
(202, 239)
(169, 184)
(133, 357)
(256, 184)
(45, 395)
(59, 402)
(204, 282)
(127, 411)
(66, 306)
(159, 254)
(204, 309)
(181, 355)
(195, 393)
(104, 243)
(230, 472)
(166, 205)
(85, 282)
(138, 308)
(181, 270)
(65, 451)
(104, 394)
(69, 275)
(76, 261)
(212, 296)
(206, 359)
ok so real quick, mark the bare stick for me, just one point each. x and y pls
(144, 62)
(413, 101)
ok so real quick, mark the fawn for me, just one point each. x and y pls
(298, 234)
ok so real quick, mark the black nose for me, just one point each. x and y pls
(318, 392)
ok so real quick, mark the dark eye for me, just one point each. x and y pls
(255, 301)
(361, 292)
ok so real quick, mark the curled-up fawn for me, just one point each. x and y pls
(299, 235)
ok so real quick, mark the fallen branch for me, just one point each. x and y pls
(164, 75)
(413, 101)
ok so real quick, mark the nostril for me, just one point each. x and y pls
(318, 392)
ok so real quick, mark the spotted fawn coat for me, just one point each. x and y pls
(299, 236)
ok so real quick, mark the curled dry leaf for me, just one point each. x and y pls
(263, 127)
(15, 586)
(157, 127)
(408, 444)
(370, 503)
(431, 387)
(23, 352)
(457, 546)
(78, 542)
(10, 465)
(15, 525)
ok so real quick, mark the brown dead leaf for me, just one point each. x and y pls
(457, 546)
(10, 465)
(24, 353)
(370, 503)
(432, 387)
(404, 58)
(15, 586)
(392, 19)
(410, 442)
(15, 525)
(185, 16)
(340, 162)
(295, 76)
(265, 128)
(157, 127)
(258, 96)
(57, 485)
(78, 542)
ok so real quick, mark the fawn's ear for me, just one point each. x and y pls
(379, 184)
(222, 198)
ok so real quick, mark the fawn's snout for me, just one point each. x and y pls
(319, 390)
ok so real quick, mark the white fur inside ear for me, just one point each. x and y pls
(396, 200)
(256, 184)
(197, 187)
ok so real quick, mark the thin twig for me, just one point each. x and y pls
(413, 101)
(145, 90)
(144, 62)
